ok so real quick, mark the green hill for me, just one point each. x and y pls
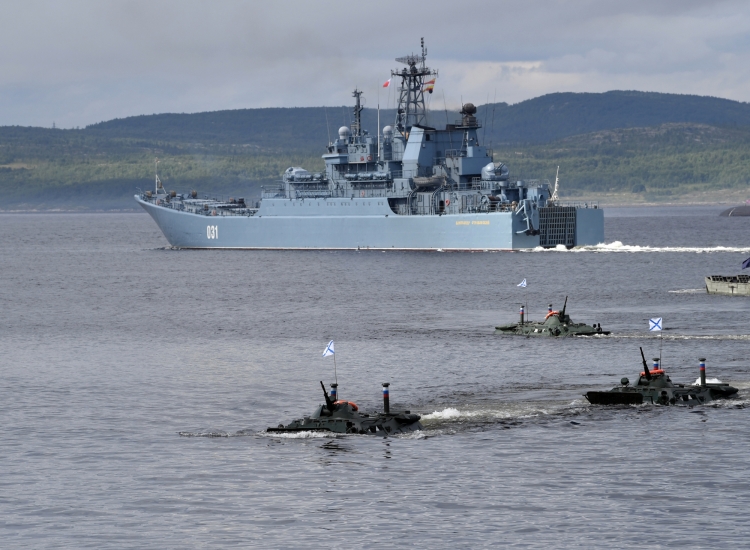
(654, 144)
(660, 162)
(555, 116)
(540, 120)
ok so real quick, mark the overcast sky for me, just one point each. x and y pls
(79, 62)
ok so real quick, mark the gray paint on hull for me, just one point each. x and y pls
(492, 231)
(589, 226)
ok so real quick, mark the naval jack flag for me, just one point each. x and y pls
(329, 351)
(654, 325)
(522, 284)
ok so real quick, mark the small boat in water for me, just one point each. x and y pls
(730, 285)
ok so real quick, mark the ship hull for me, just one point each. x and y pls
(737, 285)
(371, 230)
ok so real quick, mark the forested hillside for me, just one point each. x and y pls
(656, 163)
(652, 145)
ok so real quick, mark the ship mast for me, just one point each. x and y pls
(159, 186)
(357, 123)
(554, 196)
(411, 109)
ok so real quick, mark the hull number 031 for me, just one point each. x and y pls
(212, 231)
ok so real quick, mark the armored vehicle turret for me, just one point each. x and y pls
(654, 386)
(556, 323)
(344, 417)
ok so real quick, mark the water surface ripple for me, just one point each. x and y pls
(137, 382)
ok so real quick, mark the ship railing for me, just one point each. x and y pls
(218, 212)
(313, 193)
(510, 182)
(273, 191)
(370, 185)
(471, 122)
(454, 153)
(479, 183)
(744, 279)
(423, 172)
(201, 207)
(485, 208)
(574, 204)
(473, 185)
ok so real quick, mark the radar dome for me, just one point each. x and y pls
(344, 132)
(388, 131)
(469, 109)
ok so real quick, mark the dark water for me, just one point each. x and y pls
(112, 345)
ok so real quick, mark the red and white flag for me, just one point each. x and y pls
(387, 83)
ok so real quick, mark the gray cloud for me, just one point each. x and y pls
(79, 62)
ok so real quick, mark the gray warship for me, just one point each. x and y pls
(555, 324)
(344, 417)
(655, 387)
(411, 187)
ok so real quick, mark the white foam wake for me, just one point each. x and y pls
(688, 291)
(446, 414)
(300, 435)
(618, 246)
(510, 410)
(708, 381)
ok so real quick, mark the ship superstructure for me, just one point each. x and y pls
(412, 187)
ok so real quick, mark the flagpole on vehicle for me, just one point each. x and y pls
(661, 340)
(523, 285)
(655, 325)
(330, 351)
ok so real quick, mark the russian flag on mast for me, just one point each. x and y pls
(387, 83)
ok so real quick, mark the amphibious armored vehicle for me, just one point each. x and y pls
(556, 323)
(344, 417)
(654, 386)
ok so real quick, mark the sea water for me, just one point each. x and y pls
(136, 383)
